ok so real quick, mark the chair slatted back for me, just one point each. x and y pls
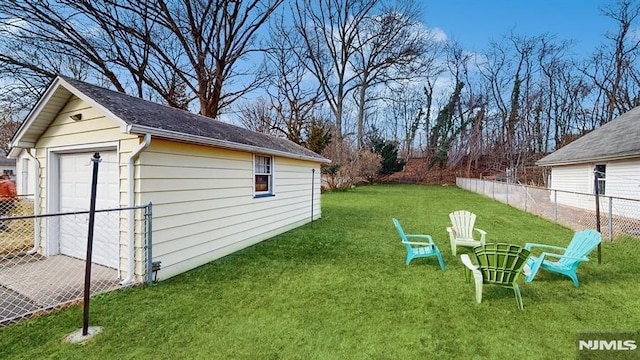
(500, 263)
(582, 243)
(403, 236)
(399, 229)
(463, 223)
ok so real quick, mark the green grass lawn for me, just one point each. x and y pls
(339, 289)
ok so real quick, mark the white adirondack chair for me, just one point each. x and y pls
(462, 230)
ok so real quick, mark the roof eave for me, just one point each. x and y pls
(590, 160)
(201, 140)
(18, 142)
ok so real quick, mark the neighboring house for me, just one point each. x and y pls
(216, 188)
(25, 172)
(7, 166)
(613, 150)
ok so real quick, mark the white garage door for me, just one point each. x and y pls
(76, 171)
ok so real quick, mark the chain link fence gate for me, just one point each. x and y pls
(42, 256)
(618, 216)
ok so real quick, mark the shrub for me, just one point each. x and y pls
(349, 166)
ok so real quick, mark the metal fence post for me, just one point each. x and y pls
(148, 216)
(610, 218)
(555, 205)
(526, 195)
(596, 176)
(507, 184)
(313, 178)
(87, 268)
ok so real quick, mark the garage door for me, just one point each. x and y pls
(75, 193)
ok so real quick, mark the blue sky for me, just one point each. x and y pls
(474, 22)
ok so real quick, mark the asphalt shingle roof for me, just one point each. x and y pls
(617, 139)
(136, 111)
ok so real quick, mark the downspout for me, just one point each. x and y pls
(36, 204)
(132, 221)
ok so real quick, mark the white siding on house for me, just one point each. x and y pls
(576, 185)
(573, 180)
(623, 178)
(622, 183)
(203, 203)
(576, 178)
(25, 174)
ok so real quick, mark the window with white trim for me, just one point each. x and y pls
(601, 171)
(263, 175)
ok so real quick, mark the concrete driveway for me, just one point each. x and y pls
(34, 283)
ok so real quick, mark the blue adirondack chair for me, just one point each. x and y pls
(418, 249)
(498, 264)
(568, 259)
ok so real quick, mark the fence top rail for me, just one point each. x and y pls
(542, 188)
(504, 183)
(73, 213)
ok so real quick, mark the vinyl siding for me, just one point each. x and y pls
(575, 181)
(203, 203)
(25, 174)
(93, 131)
(622, 184)
(623, 179)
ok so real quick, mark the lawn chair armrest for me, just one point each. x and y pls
(470, 269)
(560, 256)
(482, 232)
(450, 230)
(418, 243)
(529, 246)
(467, 262)
(414, 236)
(526, 270)
(483, 235)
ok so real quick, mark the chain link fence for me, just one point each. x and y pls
(618, 216)
(42, 262)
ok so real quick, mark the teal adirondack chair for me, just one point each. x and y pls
(418, 249)
(499, 264)
(568, 259)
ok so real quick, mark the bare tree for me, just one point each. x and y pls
(258, 116)
(330, 30)
(509, 69)
(389, 47)
(405, 113)
(612, 67)
(293, 99)
(179, 51)
(562, 93)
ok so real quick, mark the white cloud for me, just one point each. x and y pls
(437, 34)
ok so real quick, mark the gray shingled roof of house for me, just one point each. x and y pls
(617, 139)
(147, 114)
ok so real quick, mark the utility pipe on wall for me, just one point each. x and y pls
(132, 182)
(36, 203)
